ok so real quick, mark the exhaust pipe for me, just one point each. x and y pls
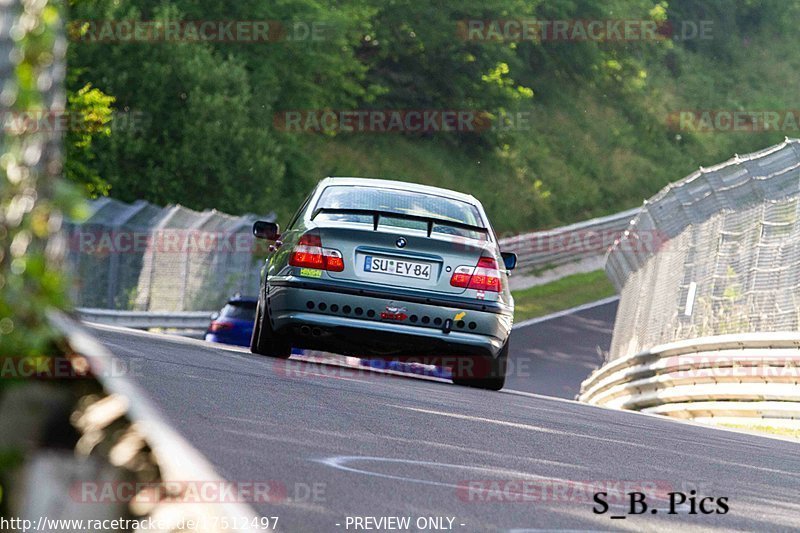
(316, 332)
(448, 325)
(305, 330)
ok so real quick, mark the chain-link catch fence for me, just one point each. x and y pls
(715, 253)
(147, 258)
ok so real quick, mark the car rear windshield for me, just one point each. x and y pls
(401, 202)
(243, 310)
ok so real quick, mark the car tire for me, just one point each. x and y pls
(496, 378)
(265, 341)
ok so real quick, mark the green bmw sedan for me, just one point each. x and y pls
(390, 270)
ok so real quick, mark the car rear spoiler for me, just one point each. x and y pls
(377, 214)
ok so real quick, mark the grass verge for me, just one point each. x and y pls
(772, 430)
(561, 294)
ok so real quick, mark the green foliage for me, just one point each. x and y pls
(89, 112)
(571, 291)
(32, 201)
(785, 432)
(207, 138)
(417, 53)
(598, 140)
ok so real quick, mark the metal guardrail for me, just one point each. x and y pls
(540, 250)
(147, 319)
(737, 378)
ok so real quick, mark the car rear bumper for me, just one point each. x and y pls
(350, 323)
(398, 294)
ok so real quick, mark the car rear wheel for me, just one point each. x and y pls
(265, 341)
(491, 378)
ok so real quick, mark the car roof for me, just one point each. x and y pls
(402, 185)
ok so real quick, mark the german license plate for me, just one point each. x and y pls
(395, 267)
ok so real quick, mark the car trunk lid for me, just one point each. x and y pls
(403, 257)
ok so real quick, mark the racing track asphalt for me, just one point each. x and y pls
(552, 357)
(349, 443)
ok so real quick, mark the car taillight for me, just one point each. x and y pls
(220, 326)
(334, 261)
(461, 276)
(484, 277)
(309, 253)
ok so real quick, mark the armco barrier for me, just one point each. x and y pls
(749, 378)
(147, 319)
(540, 250)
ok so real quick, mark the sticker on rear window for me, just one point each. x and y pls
(310, 273)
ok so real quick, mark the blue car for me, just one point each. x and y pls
(234, 323)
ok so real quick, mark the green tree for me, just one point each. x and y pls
(89, 115)
(206, 138)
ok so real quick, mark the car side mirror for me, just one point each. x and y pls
(269, 231)
(510, 260)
